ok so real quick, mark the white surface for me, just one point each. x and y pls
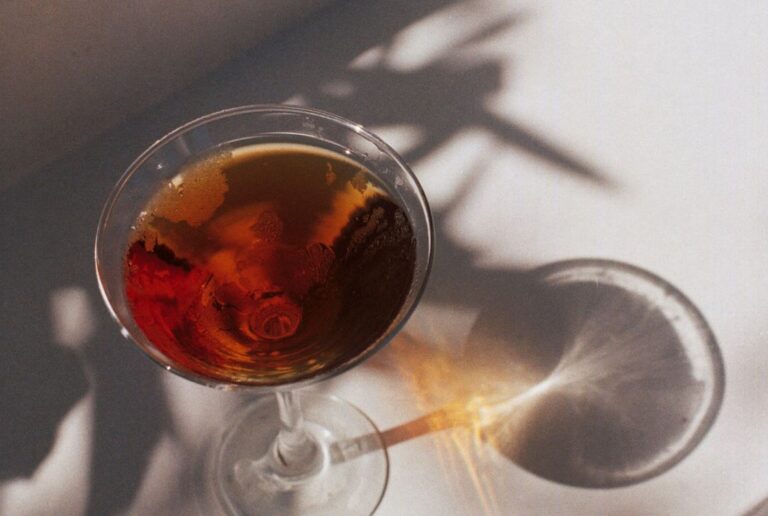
(667, 100)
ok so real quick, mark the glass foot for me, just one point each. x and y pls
(347, 475)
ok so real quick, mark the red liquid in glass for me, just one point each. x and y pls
(269, 264)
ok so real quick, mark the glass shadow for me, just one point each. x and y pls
(588, 373)
(637, 385)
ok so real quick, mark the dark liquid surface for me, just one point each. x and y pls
(269, 264)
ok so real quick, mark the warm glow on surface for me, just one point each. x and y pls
(465, 403)
(593, 377)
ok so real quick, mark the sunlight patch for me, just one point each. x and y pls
(403, 137)
(72, 319)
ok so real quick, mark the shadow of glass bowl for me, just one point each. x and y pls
(629, 377)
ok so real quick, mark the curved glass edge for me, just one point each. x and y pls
(546, 271)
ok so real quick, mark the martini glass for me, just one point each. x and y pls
(282, 453)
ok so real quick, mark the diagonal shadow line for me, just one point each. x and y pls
(759, 509)
(453, 102)
(541, 148)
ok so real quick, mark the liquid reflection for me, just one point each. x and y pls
(588, 373)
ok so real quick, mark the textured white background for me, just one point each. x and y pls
(667, 100)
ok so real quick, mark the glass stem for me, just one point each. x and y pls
(293, 446)
(294, 456)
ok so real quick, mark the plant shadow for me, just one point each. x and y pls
(50, 217)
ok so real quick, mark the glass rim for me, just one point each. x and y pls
(373, 348)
